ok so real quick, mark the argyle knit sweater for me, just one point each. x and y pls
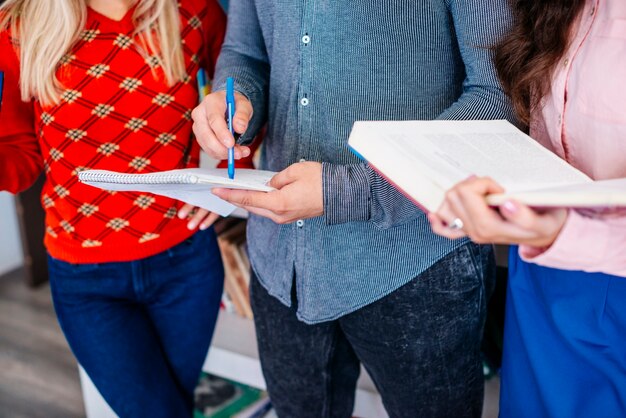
(118, 113)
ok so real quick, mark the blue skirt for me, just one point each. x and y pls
(564, 343)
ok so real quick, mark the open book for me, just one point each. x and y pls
(426, 158)
(189, 185)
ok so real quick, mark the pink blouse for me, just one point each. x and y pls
(583, 120)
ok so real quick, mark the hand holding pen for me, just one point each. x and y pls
(212, 130)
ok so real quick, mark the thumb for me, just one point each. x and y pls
(283, 178)
(519, 214)
(490, 186)
(243, 113)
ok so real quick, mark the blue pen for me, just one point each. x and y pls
(230, 115)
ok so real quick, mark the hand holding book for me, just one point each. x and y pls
(511, 223)
(531, 187)
(424, 159)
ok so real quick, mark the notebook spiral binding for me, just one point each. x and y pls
(150, 178)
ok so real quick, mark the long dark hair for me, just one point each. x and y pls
(527, 56)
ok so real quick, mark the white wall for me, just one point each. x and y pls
(11, 256)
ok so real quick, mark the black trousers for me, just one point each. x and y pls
(420, 344)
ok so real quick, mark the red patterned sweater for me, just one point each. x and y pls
(116, 113)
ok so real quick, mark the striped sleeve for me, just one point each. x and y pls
(357, 193)
(244, 57)
(346, 193)
(479, 25)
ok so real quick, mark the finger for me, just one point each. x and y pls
(243, 113)
(440, 227)
(197, 218)
(445, 212)
(285, 177)
(457, 210)
(535, 228)
(209, 143)
(447, 216)
(211, 112)
(185, 211)
(212, 108)
(519, 214)
(481, 185)
(200, 127)
(243, 198)
(241, 151)
(491, 226)
(218, 124)
(481, 222)
(209, 220)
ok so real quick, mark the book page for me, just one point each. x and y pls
(438, 154)
(454, 151)
(597, 194)
(244, 178)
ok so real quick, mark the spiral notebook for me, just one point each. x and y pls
(189, 185)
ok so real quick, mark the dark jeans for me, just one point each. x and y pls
(420, 344)
(142, 329)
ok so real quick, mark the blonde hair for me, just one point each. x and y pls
(46, 30)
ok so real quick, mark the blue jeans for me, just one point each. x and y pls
(141, 329)
(420, 345)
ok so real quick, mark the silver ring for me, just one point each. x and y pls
(456, 225)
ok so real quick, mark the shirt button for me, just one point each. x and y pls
(300, 223)
(302, 160)
(566, 62)
(306, 39)
(304, 101)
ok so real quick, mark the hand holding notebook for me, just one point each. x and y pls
(190, 185)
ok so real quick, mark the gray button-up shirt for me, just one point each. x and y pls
(313, 67)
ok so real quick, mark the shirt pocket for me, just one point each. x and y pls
(601, 76)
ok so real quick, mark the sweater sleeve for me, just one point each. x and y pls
(20, 159)
(595, 244)
(214, 32)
